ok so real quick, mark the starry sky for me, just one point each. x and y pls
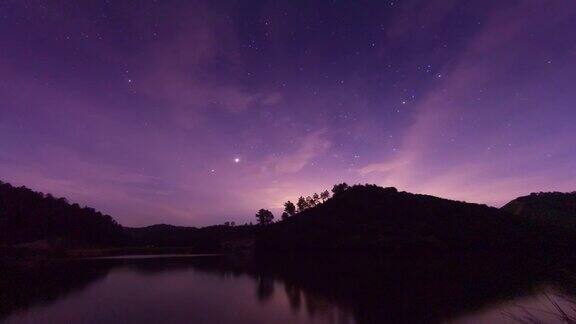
(201, 112)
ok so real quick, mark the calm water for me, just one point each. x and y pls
(217, 289)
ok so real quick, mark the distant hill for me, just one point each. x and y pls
(28, 216)
(162, 234)
(40, 222)
(359, 218)
(546, 208)
(368, 217)
(207, 239)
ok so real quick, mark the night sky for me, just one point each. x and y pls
(195, 113)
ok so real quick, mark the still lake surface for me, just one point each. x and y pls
(215, 289)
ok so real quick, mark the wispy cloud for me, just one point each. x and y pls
(306, 149)
(429, 160)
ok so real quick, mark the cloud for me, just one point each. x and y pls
(387, 167)
(428, 162)
(196, 68)
(308, 148)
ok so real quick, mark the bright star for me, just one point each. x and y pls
(236, 160)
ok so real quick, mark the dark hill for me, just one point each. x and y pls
(207, 239)
(162, 235)
(375, 218)
(361, 218)
(29, 216)
(546, 208)
(40, 223)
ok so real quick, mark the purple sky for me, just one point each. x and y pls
(140, 108)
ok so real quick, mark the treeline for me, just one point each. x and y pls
(555, 209)
(265, 216)
(359, 215)
(373, 218)
(39, 223)
(28, 216)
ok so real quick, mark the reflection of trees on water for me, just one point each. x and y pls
(26, 285)
(293, 296)
(352, 291)
(316, 306)
(319, 307)
(264, 288)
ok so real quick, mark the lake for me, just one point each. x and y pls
(220, 289)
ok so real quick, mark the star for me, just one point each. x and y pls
(237, 160)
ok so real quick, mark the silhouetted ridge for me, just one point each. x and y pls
(207, 239)
(29, 216)
(44, 224)
(372, 217)
(358, 218)
(546, 208)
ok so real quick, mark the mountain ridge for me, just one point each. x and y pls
(361, 217)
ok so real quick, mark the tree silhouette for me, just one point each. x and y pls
(264, 217)
(316, 198)
(339, 188)
(285, 216)
(310, 202)
(302, 204)
(324, 195)
(289, 208)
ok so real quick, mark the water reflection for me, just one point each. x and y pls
(224, 289)
(171, 290)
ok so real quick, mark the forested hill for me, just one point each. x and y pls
(368, 217)
(550, 208)
(41, 222)
(29, 216)
(361, 217)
